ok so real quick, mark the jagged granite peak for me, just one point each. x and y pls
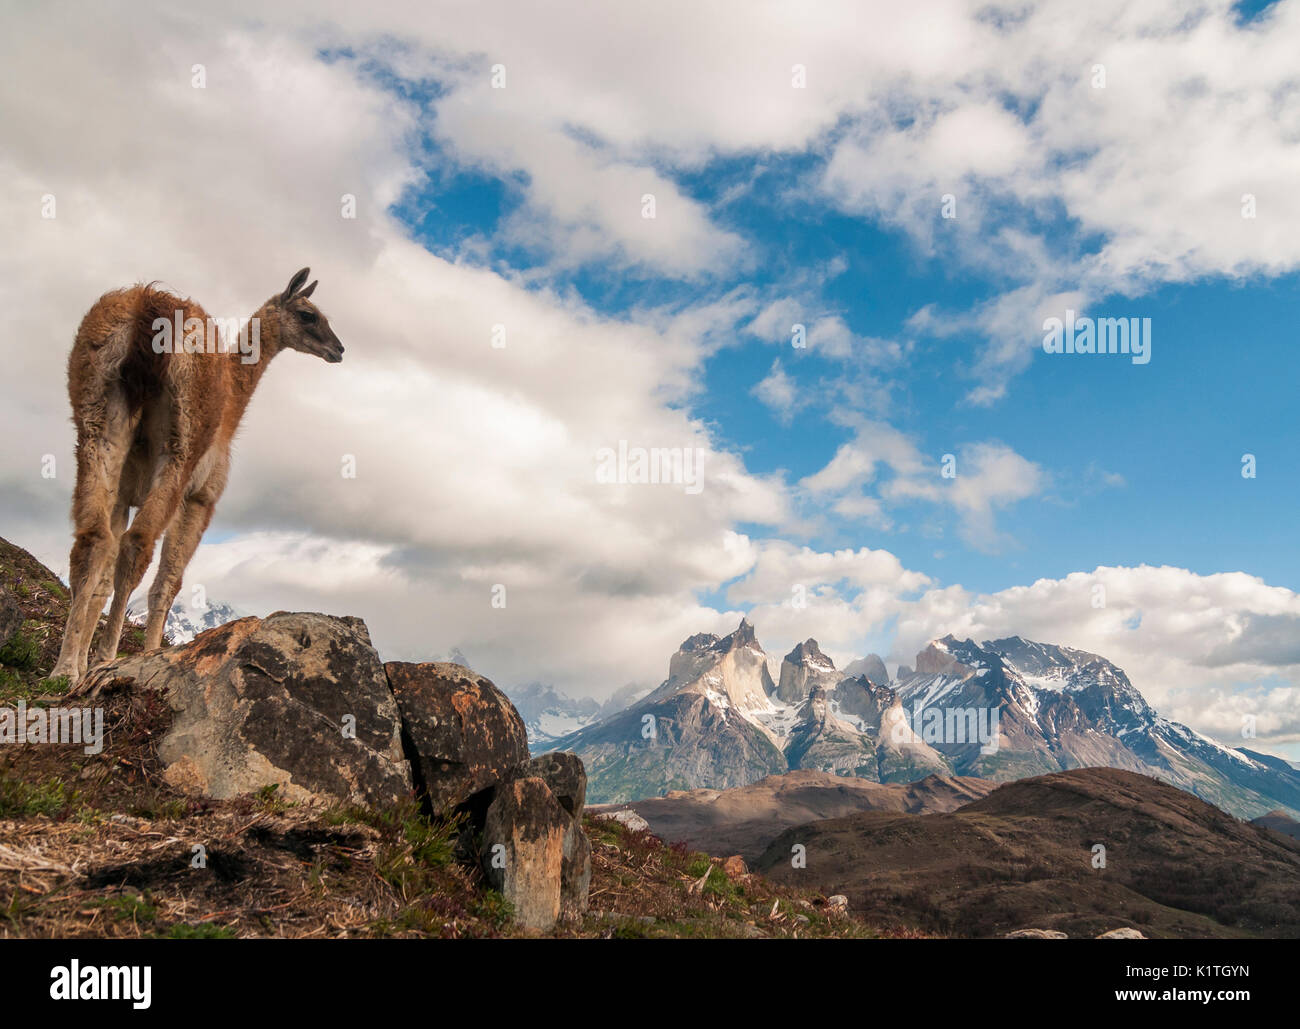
(871, 666)
(825, 743)
(863, 699)
(944, 657)
(704, 650)
(700, 641)
(808, 652)
(804, 669)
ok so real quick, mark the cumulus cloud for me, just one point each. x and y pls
(474, 464)
(780, 393)
(881, 468)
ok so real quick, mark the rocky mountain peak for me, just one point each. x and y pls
(804, 669)
(702, 651)
(872, 667)
(700, 641)
(808, 652)
(743, 636)
(938, 659)
(1006, 709)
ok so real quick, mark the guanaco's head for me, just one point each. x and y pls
(302, 325)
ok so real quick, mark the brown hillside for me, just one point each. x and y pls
(746, 819)
(1022, 856)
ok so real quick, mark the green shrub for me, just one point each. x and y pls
(21, 652)
(19, 799)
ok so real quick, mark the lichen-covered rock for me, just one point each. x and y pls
(575, 871)
(295, 700)
(463, 733)
(566, 779)
(564, 775)
(1122, 933)
(523, 850)
(1035, 934)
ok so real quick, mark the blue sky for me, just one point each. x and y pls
(1143, 462)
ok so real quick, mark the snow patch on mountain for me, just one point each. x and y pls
(185, 621)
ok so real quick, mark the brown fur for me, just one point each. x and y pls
(154, 433)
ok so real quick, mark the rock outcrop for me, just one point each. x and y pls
(516, 829)
(302, 702)
(296, 701)
(523, 850)
(563, 774)
(463, 734)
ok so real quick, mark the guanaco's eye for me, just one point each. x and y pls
(308, 316)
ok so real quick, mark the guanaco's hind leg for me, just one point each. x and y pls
(178, 548)
(118, 525)
(102, 450)
(138, 542)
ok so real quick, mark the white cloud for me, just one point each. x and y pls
(475, 465)
(985, 478)
(780, 392)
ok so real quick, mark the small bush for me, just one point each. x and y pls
(22, 652)
(22, 800)
(494, 908)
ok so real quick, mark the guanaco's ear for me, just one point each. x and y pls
(295, 284)
(309, 290)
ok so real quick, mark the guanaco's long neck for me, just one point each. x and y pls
(245, 372)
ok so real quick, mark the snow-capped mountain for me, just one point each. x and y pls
(184, 622)
(1002, 710)
(549, 715)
